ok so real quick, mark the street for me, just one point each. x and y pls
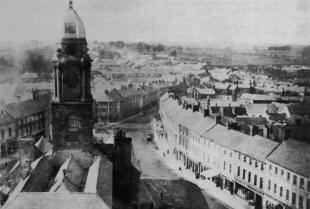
(160, 184)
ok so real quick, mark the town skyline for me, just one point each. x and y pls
(198, 23)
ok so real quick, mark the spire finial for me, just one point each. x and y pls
(70, 4)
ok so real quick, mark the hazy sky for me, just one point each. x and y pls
(224, 22)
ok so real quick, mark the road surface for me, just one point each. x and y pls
(160, 184)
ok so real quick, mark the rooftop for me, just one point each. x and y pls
(43, 145)
(46, 200)
(257, 147)
(299, 109)
(208, 91)
(261, 97)
(24, 108)
(294, 156)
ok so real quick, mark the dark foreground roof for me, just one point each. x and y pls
(52, 200)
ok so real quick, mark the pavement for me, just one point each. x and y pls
(208, 187)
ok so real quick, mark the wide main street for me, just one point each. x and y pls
(159, 183)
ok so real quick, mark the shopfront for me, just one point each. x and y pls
(254, 199)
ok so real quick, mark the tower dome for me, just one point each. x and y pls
(73, 25)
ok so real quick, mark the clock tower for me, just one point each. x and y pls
(72, 105)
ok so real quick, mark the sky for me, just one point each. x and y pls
(184, 22)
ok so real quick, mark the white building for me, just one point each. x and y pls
(287, 182)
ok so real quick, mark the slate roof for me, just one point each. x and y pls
(43, 145)
(5, 117)
(101, 96)
(115, 96)
(259, 147)
(222, 86)
(256, 109)
(299, 109)
(246, 120)
(128, 92)
(294, 156)
(46, 200)
(24, 108)
(194, 121)
(256, 147)
(220, 103)
(69, 176)
(207, 91)
(259, 97)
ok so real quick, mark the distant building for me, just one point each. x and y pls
(7, 131)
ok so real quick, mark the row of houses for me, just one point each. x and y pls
(121, 104)
(272, 116)
(29, 118)
(267, 173)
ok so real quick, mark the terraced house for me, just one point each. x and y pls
(266, 173)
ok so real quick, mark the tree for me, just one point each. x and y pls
(38, 60)
(120, 44)
(305, 53)
(173, 53)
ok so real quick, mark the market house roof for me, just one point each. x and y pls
(52, 200)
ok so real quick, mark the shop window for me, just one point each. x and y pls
(293, 198)
(301, 202)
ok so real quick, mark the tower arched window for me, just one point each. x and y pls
(74, 123)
